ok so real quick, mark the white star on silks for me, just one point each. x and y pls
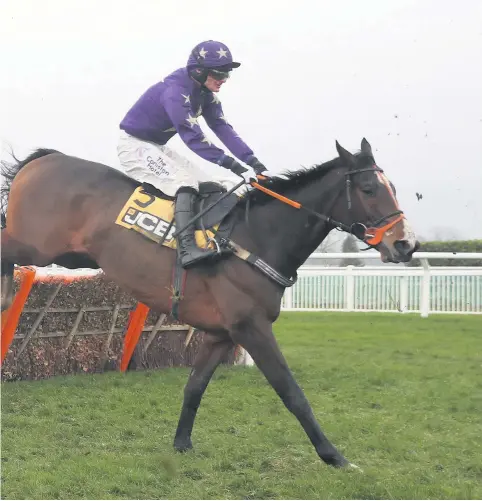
(203, 52)
(186, 98)
(206, 140)
(192, 120)
(222, 53)
(216, 99)
(222, 117)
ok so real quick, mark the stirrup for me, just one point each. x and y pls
(216, 244)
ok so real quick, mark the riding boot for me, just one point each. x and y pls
(189, 251)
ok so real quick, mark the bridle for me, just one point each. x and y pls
(371, 235)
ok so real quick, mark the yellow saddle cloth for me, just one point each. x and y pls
(151, 216)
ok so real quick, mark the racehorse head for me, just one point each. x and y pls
(350, 193)
(370, 208)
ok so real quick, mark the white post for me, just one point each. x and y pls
(288, 298)
(350, 288)
(403, 294)
(425, 293)
(244, 358)
(248, 360)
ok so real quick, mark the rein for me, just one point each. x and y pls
(372, 235)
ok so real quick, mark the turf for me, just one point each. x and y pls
(399, 395)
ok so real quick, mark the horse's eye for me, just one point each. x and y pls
(368, 190)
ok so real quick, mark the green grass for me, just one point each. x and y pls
(399, 395)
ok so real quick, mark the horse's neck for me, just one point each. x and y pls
(284, 236)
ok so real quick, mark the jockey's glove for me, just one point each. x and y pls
(247, 173)
(249, 176)
(259, 168)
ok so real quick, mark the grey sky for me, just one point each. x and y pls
(404, 74)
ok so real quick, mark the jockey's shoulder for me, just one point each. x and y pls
(179, 83)
(178, 78)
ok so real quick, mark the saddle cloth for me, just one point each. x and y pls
(150, 215)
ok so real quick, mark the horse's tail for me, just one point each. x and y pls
(9, 171)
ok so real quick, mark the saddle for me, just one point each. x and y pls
(209, 192)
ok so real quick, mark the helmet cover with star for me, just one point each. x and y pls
(211, 54)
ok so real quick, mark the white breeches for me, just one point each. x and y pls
(164, 168)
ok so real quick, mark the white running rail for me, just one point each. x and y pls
(425, 289)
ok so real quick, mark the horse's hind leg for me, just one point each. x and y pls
(7, 271)
(14, 252)
(258, 339)
(7, 284)
(211, 354)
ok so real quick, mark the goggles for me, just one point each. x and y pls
(219, 75)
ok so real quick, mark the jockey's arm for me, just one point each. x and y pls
(214, 116)
(185, 122)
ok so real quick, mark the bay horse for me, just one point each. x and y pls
(61, 209)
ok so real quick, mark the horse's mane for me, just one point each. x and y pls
(300, 177)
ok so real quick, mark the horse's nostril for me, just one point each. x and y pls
(403, 247)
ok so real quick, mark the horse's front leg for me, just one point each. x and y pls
(211, 354)
(258, 339)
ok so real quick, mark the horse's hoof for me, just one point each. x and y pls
(337, 461)
(182, 445)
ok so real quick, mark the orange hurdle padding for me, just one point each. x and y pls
(134, 329)
(11, 316)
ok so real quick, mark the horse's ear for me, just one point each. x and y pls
(345, 155)
(366, 148)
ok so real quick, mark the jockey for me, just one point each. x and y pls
(172, 106)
